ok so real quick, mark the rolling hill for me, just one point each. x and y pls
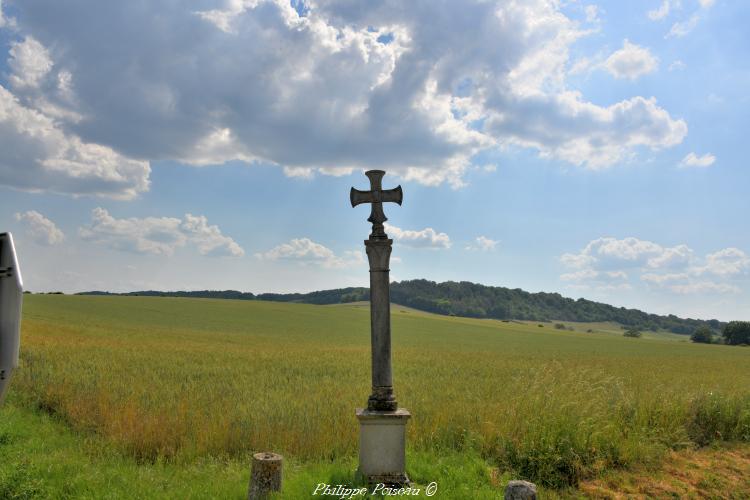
(470, 300)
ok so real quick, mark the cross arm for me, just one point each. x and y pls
(358, 197)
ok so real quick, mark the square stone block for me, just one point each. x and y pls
(382, 446)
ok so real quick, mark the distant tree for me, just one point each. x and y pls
(737, 333)
(702, 335)
(632, 333)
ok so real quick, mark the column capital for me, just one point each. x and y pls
(379, 254)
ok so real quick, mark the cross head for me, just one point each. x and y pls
(377, 196)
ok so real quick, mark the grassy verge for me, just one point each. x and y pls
(43, 459)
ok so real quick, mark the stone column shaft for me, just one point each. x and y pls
(379, 253)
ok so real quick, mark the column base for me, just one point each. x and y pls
(382, 447)
(382, 399)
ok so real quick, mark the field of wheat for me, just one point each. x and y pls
(183, 380)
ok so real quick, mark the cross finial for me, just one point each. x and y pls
(377, 196)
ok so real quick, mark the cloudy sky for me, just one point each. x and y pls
(593, 149)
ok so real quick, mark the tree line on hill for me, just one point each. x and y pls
(733, 333)
(474, 301)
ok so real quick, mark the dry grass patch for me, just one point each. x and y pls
(719, 472)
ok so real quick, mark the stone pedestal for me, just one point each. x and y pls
(382, 446)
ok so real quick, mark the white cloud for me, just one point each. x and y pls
(483, 244)
(40, 228)
(150, 235)
(4, 21)
(592, 13)
(677, 65)
(35, 154)
(662, 279)
(29, 62)
(307, 252)
(676, 268)
(631, 61)
(685, 284)
(661, 12)
(595, 137)
(693, 160)
(299, 172)
(584, 274)
(726, 262)
(705, 287)
(308, 173)
(680, 29)
(590, 275)
(603, 281)
(157, 235)
(426, 238)
(678, 256)
(577, 260)
(319, 92)
(209, 239)
(582, 65)
(612, 253)
(616, 275)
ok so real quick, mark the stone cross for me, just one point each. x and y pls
(379, 253)
(382, 425)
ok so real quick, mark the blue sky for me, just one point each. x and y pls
(594, 149)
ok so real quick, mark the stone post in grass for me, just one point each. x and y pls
(265, 476)
(382, 436)
(520, 490)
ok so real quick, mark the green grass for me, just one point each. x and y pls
(43, 459)
(173, 391)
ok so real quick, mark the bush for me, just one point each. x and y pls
(716, 417)
(632, 333)
(702, 335)
(559, 326)
(737, 333)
